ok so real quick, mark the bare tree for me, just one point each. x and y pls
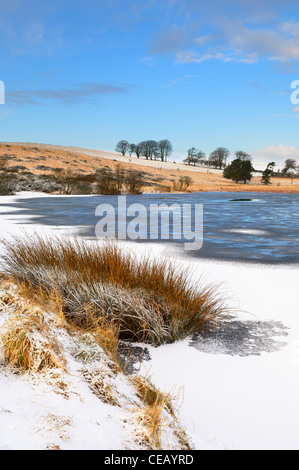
(183, 183)
(110, 181)
(134, 181)
(244, 156)
(106, 181)
(164, 149)
(290, 168)
(135, 149)
(132, 149)
(219, 157)
(119, 178)
(122, 147)
(67, 180)
(138, 149)
(289, 165)
(195, 157)
(149, 149)
(152, 146)
(191, 155)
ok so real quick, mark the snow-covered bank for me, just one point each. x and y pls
(82, 402)
(242, 401)
(240, 385)
(35, 416)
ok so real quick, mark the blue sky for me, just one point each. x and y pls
(204, 74)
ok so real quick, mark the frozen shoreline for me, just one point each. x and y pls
(236, 401)
(231, 401)
(242, 396)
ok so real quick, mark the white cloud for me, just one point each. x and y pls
(274, 153)
(279, 44)
(230, 39)
(203, 40)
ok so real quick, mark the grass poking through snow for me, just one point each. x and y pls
(133, 299)
(27, 344)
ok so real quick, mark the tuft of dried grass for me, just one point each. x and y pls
(27, 344)
(150, 395)
(100, 385)
(144, 300)
(57, 425)
(154, 422)
(157, 415)
(87, 349)
(95, 336)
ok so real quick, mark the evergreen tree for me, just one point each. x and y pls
(268, 173)
(240, 170)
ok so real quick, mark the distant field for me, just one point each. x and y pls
(160, 177)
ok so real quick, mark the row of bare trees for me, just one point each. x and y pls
(217, 158)
(153, 150)
(150, 149)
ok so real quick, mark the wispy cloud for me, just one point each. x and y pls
(179, 80)
(188, 57)
(239, 43)
(149, 61)
(171, 41)
(233, 31)
(86, 92)
(285, 68)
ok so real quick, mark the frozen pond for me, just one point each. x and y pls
(251, 227)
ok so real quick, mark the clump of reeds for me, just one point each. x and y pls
(145, 300)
